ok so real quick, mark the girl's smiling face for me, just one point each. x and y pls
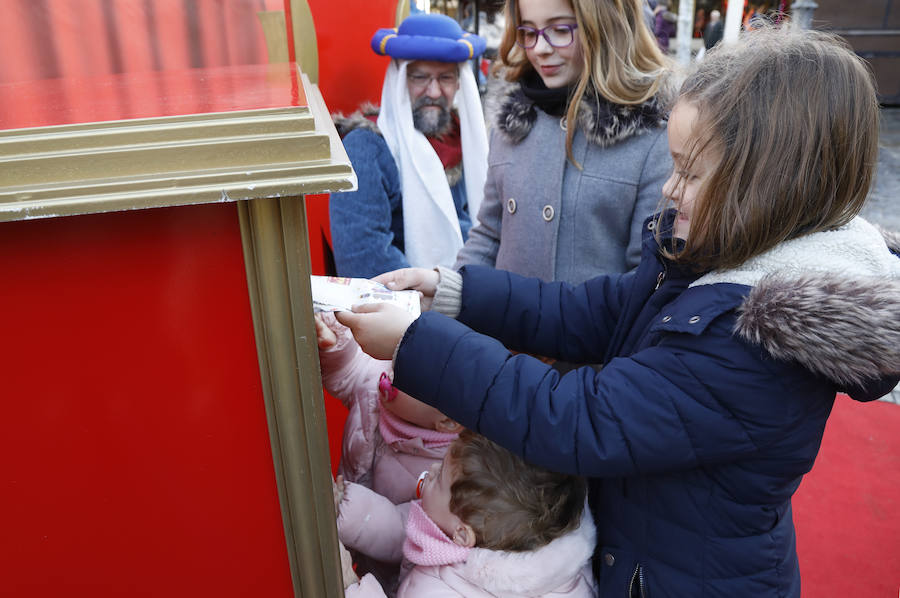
(691, 172)
(558, 67)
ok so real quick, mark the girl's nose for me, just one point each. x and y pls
(669, 187)
(543, 46)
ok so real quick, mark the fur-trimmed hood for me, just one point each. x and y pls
(829, 300)
(603, 123)
(533, 573)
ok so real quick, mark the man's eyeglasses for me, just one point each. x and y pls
(558, 36)
(445, 80)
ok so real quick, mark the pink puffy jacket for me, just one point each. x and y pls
(561, 569)
(352, 376)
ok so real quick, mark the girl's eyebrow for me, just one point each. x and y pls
(552, 20)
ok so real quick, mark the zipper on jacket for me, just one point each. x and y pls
(637, 576)
(660, 278)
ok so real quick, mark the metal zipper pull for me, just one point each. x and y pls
(637, 591)
(659, 280)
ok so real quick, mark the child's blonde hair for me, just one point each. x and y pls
(790, 119)
(622, 60)
(510, 504)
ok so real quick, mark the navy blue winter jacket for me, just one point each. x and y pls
(709, 408)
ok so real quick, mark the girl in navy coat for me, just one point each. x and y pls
(760, 295)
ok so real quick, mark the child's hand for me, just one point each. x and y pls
(324, 335)
(347, 571)
(377, 327)
(418, 279)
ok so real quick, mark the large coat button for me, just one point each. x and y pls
(609, 559)
(511, 205)
(548, 213)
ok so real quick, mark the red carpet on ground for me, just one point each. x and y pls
(847, 509)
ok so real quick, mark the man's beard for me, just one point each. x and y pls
(430, 122)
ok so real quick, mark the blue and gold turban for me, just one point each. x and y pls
(428, 37)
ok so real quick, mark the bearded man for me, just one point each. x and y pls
(421, 160)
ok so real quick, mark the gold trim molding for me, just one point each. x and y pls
(276, 257)
(156, 162)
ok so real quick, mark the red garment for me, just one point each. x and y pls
(448, 146)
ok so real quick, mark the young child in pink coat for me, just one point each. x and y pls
(389, 437)
(487, 525)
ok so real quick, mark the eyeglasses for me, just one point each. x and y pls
(420, 80)
(558, 36)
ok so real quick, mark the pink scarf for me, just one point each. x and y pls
(426, 544)
(393, 428)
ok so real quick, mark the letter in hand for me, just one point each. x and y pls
(377, 327)
(417, 279)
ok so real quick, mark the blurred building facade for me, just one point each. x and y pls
(872, 27)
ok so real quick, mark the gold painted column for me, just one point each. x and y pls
(276, 251)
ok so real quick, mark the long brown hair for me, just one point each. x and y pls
(622, 60)
(511, 505)
(790, 119)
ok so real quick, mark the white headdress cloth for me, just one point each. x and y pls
(431, 230)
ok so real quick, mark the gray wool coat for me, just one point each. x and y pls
(543, 217)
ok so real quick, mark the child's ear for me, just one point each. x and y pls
(464, 535)
(448, 426)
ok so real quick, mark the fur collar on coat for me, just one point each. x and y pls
(829, 300)
(358, 120)
(603, 123)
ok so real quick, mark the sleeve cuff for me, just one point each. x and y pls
(448, 296)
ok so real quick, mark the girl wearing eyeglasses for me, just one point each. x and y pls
(578, 151)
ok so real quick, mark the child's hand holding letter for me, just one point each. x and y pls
(417, 279)
(377, 327)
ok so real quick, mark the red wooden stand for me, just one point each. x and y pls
(132, 424)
